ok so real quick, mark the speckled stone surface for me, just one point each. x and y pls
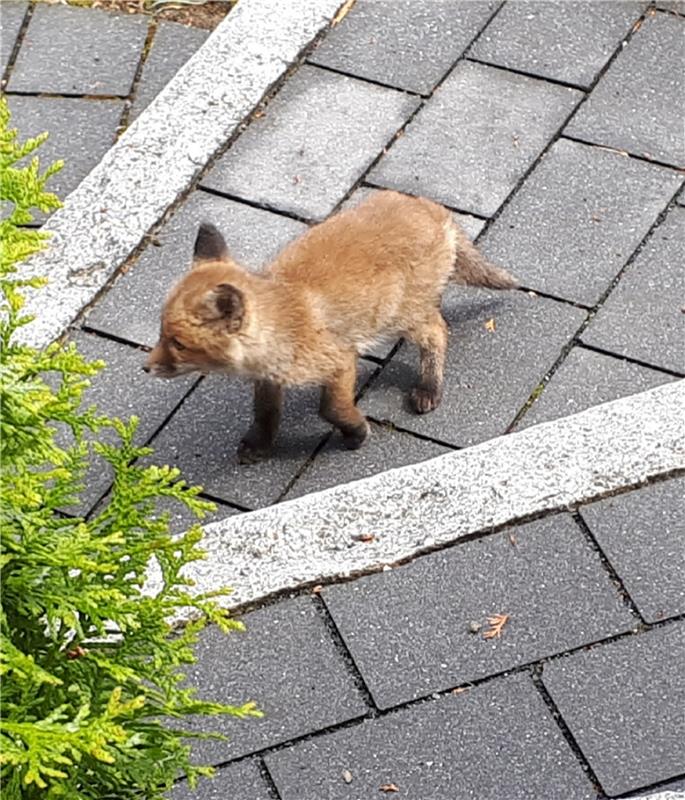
(410, 44)
(475, 138)
(575, 222)
(12, 14)
(643, 536)
(586, 379)
(637, 104)
(173, 44)
(131, 309)
(450, 747)
(566, 41)
(106, 66)
(288, 663)
(643, 317)
(408, 630)
(489, 374)
(243, 781)
(81, 132)
(623, 704)
(313, 142)
(385, 449)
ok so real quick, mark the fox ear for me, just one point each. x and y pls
(209, 244)
(225, 302)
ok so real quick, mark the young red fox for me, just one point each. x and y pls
(374, 271)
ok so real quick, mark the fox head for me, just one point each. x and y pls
(205, 315)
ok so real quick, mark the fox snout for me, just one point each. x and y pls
(160, 366)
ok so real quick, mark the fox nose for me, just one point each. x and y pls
(146, 368)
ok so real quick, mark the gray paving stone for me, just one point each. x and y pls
(288, 663)
(410, 44)
(53, 57)
(315, 140)
(575, 222)
(122, 390)
(203, 436)
(408, 629)
(81, 132)
(497, 741)
(173, 44)
(586, 379)
(489, 375)
(243, 781)
(637, 104)
(385, 449)
(132, 307)
(642, 535)
(180, 518)
(566, 41)
(623, 703)
(475, 138)
(642, 317)
(11, 18)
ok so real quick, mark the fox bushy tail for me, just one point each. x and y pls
(473, 269)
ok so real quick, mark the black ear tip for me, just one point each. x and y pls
(209, 243)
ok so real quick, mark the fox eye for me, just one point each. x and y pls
(177, 345)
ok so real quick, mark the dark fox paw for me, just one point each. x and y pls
(424, 400)
(252, 452)
(354, 438)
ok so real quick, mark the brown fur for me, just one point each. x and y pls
(374, 271)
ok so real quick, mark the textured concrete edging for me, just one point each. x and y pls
(416, 508)
(106, 216)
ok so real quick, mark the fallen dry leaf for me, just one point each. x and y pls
(365, 537)
(496, 623)
(596, 218)
(343, 11)
(317, 589)
(347, 776)
(258, 114)
(459, 690)
(389, 787)
(637, 25)
(490, 325)
(512, 539)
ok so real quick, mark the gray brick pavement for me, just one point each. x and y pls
(642, 534)
(173, 44)
(409, 629)
(558, 39)
(586, 379)
(623, 704)
(243, 781)
(313, 142)
(643, 317)
(493, 742)
(53, 58)
(410, 44)
(12, 15)
(575, 222)
(475, 138)
(637, 104)
(81, 132)
(288, 662)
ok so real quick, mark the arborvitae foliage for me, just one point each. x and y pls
(92, 685)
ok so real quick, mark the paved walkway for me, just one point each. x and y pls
(554, 132)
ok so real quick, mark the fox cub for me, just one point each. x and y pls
(374, 271)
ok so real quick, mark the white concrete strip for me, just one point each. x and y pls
(662, 796)
(415, 508)
(156, 159)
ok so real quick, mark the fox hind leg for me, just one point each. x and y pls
(431, 338)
